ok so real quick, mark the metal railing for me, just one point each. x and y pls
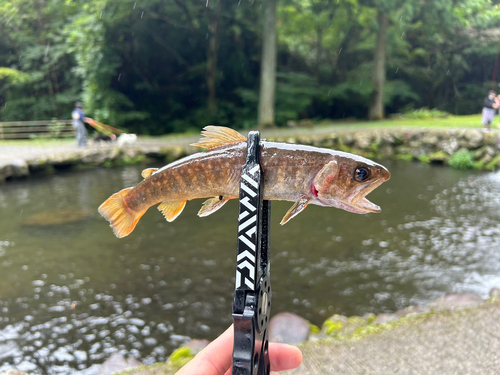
(36, 129)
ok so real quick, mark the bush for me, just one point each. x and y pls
(462, 160)
(425, 113)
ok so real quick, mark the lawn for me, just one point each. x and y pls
(324, 126)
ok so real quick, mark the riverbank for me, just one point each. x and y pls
(458, 147)
(456, 334)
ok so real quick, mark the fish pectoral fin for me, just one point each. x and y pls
(211, 205)
(148, 172)
(297, 208)
(171, 209)
(216, 136)
(325, 176)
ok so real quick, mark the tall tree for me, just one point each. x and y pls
(268, 65)
(213, 46)
(376, 110)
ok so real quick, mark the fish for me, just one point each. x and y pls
(297, 173)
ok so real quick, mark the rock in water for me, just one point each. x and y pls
(495, 292)
(288, 328)
(116, 363)
(456, 301)
(57, 217)
(386, 318)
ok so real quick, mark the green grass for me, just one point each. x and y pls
(324, 126)
(469, 121)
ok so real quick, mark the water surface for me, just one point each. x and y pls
(72, 294)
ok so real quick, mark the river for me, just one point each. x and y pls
(71, 294)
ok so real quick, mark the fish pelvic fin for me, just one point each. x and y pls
(121, 218)
(217, 136)
(297, 208)
(171, 209)
(148, 172)
(211, 205)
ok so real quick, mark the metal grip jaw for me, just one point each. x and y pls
(252, 295)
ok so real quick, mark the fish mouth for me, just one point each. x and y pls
(357, 201)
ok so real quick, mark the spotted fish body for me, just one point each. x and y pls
(301, 174)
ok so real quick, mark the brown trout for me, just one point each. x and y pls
(301, 174)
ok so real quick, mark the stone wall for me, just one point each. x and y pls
(425, 145)
(461, 148)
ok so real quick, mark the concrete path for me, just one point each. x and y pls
(462, 342)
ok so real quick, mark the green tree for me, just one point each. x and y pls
(268, 65)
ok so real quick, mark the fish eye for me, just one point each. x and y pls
(362, 173)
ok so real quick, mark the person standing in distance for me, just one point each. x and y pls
(490, 106)
(78, 123)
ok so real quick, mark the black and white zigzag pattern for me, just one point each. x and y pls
(247, 230)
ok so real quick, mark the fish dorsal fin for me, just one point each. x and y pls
(297, 208)
(148, 172)
(211, 205)
(217, 136)
(171, 209)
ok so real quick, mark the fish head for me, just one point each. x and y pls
(345, 181)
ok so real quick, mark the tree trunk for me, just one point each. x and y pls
(268, 66)
(319, 52)
(376, 111)
(213, 46)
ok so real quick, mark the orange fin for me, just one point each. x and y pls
(217, 136)
(121, 218)
(171, 209)
(211, 205)
(296, 209)
(148, 172)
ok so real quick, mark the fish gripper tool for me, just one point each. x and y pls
(252, 294)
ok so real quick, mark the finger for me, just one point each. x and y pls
(284, 356)
(215, 359)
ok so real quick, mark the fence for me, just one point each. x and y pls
(37, 129)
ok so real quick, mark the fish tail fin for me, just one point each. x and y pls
(122, 219)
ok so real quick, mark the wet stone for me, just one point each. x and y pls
(456, 301)
(495, 292)
(58, 217)
(385, 318)
(340, 325)
(412, 310)
(288, 328)
(117, 362)
(19, 168)
(196, 345)
(5, 171)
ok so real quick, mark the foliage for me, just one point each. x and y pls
(425, 113)
(13, 75)
(462, 159)
(142, 66)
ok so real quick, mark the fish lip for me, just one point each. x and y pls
(358, 201)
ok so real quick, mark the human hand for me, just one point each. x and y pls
(216, 358)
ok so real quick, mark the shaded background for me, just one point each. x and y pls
(142, 65)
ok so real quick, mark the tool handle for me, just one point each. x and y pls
(252, 295)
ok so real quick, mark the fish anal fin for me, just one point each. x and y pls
(211, 205)
(148, 172)
(217, 136)
(297, 208)
(122, 219)
(171, 209)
